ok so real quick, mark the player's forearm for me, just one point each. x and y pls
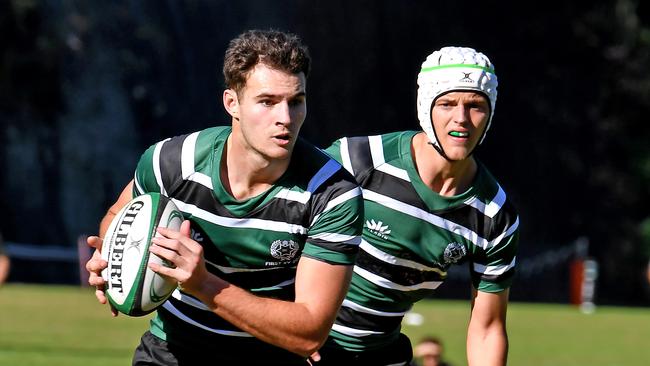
(4, 268)
(106, 221)
(288, 325)
(487, 347)
(122, 200)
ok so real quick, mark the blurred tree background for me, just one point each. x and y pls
(86, 86)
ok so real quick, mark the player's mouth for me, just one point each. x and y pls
(459, 134)
(283, 138)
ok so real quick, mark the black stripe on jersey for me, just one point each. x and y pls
(401, 275)
(473, 219)
(170, 162)
(360, 156)
(203, 198)
(395, 188)
(338, 184)
(257, 279)
(358, 320)
(200, 196)
(345, 248)
(502, 277)
(278, 209)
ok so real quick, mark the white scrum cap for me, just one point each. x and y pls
(454, 68)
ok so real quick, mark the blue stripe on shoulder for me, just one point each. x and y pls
(328, 170)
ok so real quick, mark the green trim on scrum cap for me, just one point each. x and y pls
(432, 68)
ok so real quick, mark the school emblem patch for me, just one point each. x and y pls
(454, 252)
(284, 250)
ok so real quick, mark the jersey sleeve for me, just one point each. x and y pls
(159, 168)
(354, 154)
(493, 268)
(335, 231)
(144, 179)
(334, 150)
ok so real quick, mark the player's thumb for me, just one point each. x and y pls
(185, 228)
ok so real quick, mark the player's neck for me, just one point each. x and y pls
(447, 178)
(245, 173)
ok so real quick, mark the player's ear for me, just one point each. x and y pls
(231, 102)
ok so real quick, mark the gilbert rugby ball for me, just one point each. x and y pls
(131, 287)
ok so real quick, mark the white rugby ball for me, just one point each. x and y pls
(131, 287)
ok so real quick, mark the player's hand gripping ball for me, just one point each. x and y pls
(131, 287)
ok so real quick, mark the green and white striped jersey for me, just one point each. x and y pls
(412, 236)
(315, 209)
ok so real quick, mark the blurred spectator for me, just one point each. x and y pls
(4, 262)
(428, 352)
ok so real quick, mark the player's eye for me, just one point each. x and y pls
(479, 107)
(296, 102)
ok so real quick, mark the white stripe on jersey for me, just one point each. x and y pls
(379, 162)
(337, 238)
(229, 270)
(187, 162)
(167, 305)
(187, 155)
(156, 166)
(345, 156)
(138, 187)
(287, 194)
(493, 207)
(425, 216)
(279, 286)
(356, 191)
(382, 282)
(506, 233)
(239, 223)
(362, 309)
(189, 300)
(395, 172)
(353, 332)
(376, 150)
(494, 270)
(388, 258)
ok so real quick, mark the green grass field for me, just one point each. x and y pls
(62, 325)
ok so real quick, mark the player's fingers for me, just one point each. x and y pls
(167, 271)
(100, 294)
(171, 247)
(171, 256)
(95, 280)
(184, 247)
(185, 228)
(94, 242)
(96, 265)
(315, 357)
(169, 233)
(182, 236)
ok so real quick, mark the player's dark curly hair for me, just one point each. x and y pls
(278, 50)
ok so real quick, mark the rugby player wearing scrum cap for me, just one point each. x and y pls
(429, 204)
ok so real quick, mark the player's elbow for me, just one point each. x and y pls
(311, 343)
